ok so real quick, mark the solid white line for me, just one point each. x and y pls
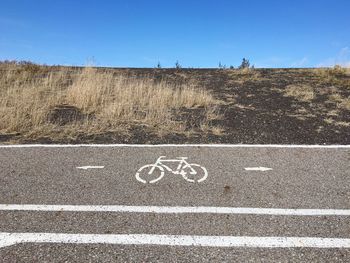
(175, 145)
(8, 239)
(176, 209)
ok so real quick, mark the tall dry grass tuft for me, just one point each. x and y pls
(26, 97)
(107, 101)
(116, 99)
(337, 75)
(119, 98)
(340, 101)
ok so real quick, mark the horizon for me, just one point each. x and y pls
(87, 65)
(198, 34)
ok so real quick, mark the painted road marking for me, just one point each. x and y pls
(176, 145)
(263, 169)
(152, 173)
(176, 209)
(90, 167)
(8, 239)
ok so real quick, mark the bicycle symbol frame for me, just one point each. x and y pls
(184, 168)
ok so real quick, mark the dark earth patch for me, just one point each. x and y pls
(65, 114)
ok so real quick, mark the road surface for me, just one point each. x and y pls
(254, 203)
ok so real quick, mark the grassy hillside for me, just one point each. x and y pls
(103, 105)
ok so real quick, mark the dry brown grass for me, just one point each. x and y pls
(249, 74)
(341, 102)
(304, 93)
(337, 75)
(240, 76)
(104, 101)
(337, 123)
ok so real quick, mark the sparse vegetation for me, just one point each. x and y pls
(336, 75)
(245, 74)
(35, 99)
(341, 102)
(338, 70)
(303, 93)
(96, 105)
(221, 66)
(245, 64)
(177, 65)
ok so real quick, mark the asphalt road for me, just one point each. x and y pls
(238, 213)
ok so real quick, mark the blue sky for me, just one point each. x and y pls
(197, 33)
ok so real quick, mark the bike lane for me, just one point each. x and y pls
(300, 179)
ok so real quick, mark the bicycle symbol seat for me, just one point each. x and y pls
(191, 172)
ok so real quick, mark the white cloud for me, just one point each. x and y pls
(344, 53)
(342, 58)
(300, 63)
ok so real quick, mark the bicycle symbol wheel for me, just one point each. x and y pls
(194, 173)
(150, 173)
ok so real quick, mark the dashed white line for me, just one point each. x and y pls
(262, 169)
(90, 167)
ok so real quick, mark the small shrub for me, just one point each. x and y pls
(221, 66)
(177, 65)
(245, 64)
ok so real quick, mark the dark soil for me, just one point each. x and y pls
(255, 109)
(65, 114)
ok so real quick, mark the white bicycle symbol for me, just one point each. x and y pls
(151, 173)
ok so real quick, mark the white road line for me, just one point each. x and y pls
(262, 169)
(175, 145)
(90, 167)
(8, 239)
(176, 209)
